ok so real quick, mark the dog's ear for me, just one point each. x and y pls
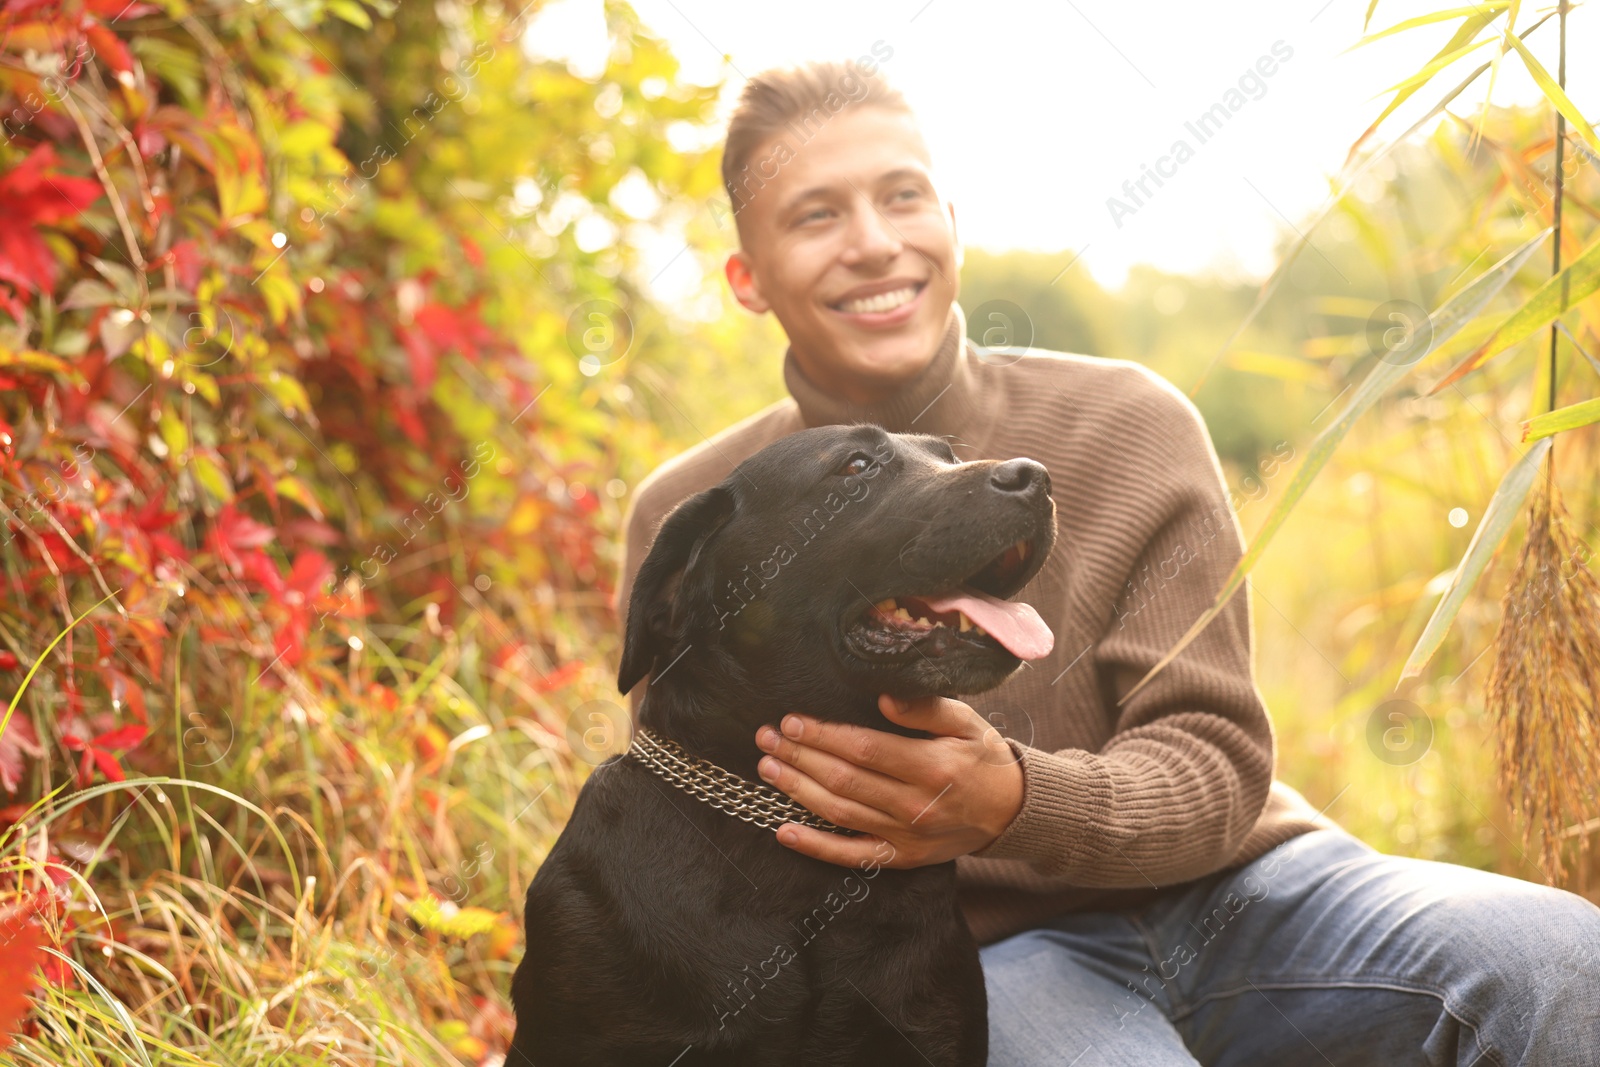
(655, 616)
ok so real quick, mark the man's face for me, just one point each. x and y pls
(850, 215)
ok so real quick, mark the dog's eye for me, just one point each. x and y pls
(859, 463)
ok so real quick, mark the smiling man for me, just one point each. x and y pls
(1144, 891)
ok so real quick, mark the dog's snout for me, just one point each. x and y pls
(1022, 476)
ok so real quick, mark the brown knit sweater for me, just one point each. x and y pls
(1173, 785)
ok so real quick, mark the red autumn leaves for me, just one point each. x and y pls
(22, 942)
(295, 599)
(37, 194)
(291, 602)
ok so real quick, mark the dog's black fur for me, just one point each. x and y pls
(659, 924)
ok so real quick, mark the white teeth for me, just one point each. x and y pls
(891, 609)
(1022, 548)
(880, 303)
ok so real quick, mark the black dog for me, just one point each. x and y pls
(834, 565)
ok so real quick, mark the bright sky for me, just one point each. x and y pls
(1036, 113)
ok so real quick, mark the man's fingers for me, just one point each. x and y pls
(890, 755)
(839, 808)
(940, 716)
(859, 852)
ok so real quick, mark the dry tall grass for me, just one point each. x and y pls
(1545, 687)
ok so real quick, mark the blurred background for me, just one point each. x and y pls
(334, 336)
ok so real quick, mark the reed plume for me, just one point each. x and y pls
(1543, 689)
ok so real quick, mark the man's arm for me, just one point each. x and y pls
(1186, 774)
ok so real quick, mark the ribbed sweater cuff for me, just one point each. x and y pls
(1065, 800)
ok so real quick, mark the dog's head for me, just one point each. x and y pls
(845, 561)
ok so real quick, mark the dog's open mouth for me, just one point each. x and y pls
(969, 614)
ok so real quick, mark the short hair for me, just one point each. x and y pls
(798, 99)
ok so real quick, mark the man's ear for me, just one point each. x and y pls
(655, 611)
(742, 280)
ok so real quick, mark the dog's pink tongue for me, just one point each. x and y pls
(1016, 626)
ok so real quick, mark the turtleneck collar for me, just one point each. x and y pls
(945, 399)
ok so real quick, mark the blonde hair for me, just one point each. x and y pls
(797, 100)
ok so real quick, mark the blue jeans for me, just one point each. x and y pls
(1322, 951)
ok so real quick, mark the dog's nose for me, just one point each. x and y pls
(1023, 476)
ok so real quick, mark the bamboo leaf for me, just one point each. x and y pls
(1371, 7)
(1437, 16)
(1462, 36)
(1568, 418)
(1444, 322)
(1576, 282)
(1556, 94)
(1434, 66)
(1502, 511)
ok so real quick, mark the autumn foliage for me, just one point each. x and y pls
(294, 451)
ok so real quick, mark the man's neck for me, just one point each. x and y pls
(949, 397)
(851, 389)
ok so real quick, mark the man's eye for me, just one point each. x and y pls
(859, 463)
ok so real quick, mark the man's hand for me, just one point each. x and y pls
(932, 799)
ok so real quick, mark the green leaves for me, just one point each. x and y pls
(1503, 509)
(1554, 93)
(1446, 56)
(1443, 323)
(1576, 282)
(1570, 417)
(1486, 12)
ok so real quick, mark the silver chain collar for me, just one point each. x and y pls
(753, 802)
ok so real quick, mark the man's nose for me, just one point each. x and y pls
(872, 236)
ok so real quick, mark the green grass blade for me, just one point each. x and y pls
(1556, 95)
(1444, 322)
(1434, 66)
(1485, 12)
(1462, 36)
(1576, 282)
(1568, 418)
(1503, 509)
(16, 698)
(83, 796)
(123, 1017)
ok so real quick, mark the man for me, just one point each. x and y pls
(1144, 891)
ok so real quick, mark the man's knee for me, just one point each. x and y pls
(1524, 959)
(1558, 934)
(1543, 932)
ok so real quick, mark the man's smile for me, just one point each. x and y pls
(882, 304)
